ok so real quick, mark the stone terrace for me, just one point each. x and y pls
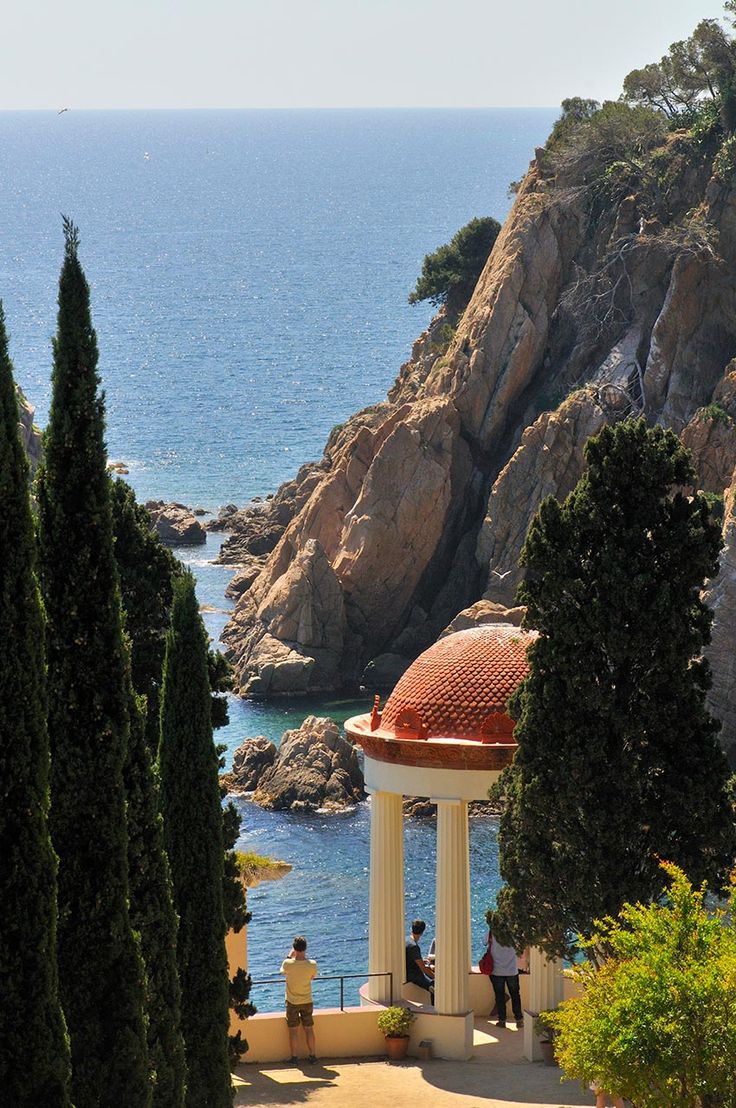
(496, 1077)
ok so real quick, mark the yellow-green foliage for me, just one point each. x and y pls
(657, 1022)
(724, 164)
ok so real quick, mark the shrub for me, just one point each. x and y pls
(724, 163)
(395, 1022)
(657, 1022)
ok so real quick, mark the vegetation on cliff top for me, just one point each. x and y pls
(621, 145)
(618, 762)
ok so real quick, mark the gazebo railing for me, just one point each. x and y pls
(341, 977)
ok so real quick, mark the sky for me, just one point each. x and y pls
(329, 53)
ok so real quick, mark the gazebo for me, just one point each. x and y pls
(445, 734)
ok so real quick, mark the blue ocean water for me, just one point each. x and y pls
(249, 274)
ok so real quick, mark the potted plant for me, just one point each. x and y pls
(545, 1032)
(394, 1023)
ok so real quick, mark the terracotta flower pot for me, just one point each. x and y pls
(396, 1047)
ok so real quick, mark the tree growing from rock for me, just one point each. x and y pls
(100, 968)
(34, 1048)
(193, 835)
(618, 763)
(450, 273)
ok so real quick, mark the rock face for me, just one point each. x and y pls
(316, 767)
(250, 761)
(418, 509)
(721, 596)
(30, 436)
(175, 524)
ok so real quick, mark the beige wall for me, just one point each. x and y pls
(340, 1034)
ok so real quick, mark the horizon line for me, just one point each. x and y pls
(303, 108)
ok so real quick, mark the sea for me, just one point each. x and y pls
(249, 273)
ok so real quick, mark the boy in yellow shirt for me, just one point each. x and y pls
(299, 971)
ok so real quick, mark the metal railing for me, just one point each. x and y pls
(341, 977)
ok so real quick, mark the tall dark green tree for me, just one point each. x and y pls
(100, 967)
(193, 835)
(618, 764)
(34, 1049)
(153, 917)
(147, 570)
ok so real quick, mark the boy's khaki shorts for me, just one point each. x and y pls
(299, 1013)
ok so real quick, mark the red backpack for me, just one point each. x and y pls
(486, 963)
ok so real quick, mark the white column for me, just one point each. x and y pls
(546, 990)
(386, 941)
(452, 954)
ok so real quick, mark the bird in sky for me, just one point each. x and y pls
(500, 575)
(62, 110)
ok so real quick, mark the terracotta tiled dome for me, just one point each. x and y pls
(459, 688)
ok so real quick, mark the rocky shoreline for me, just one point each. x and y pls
(414, 517)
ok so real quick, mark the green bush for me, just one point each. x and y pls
(451, 272)
(716, 413)
(395, 1022)
(657, 1022)
(724, 163)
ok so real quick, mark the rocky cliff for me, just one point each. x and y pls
(30, 435)
(591, 307)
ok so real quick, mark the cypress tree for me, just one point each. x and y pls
(100, 968)
(153, 917)
(618, 764)
(146, 569)
(34, 1049)
(193, 835)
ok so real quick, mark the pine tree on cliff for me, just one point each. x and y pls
(153, 917)
(100, 968)
(618, 764)
(34, 1049)
(193, 835)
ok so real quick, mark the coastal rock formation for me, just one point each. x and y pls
(316, 767)
(175, 524)
(295, 637)
(250, 761)
(254, 870)
(30, 436)
(484, 611)
(721, 596)
(711, 436)
(548, 461)
(585, 314)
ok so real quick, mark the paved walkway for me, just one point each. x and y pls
(496, 1077)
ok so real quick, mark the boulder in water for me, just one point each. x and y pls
(250, 761)
(316, 767)
(175, 524)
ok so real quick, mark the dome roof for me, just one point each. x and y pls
(460, 686)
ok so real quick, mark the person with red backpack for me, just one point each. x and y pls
(502, 966)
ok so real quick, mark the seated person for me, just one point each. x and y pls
(417, 970)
